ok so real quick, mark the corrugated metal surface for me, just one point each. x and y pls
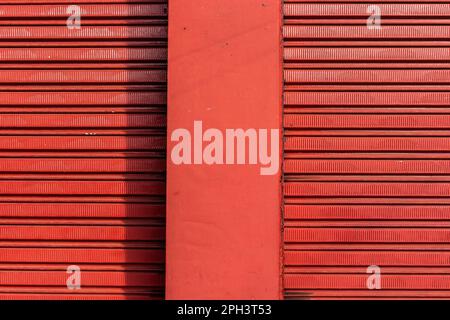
(367, 146)
(82, 149)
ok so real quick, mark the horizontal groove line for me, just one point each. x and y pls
(58, 55)
(82, 120)
(367, 212)
(77, 165)
(79, 99)
(82, 187)
(87, 10)
(381, 76)
(80, 76)
(82, 233)
(398, 282)
(317, 166)
(366, 99)
(362, 32)
(90, 278)
(343, 54)
(362, 235)
(368, 121)
(87, 32)
(356, 258)
(384, 144)
(94, 143)
(85, 255)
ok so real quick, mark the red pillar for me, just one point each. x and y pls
(223, 220)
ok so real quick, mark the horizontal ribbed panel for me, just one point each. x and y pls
(359, 10)
(111, 10)
(367, 158)
(361, 76)
(85, 33)
(86, 142)
(365, 54)
(81, 76)
(358, 121)
(398, 282)
(58, 98)
(373, 99)
(88, 54)
(82, 149)
(353, 32)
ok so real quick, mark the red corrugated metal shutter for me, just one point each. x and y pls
(366, 149)
(82, 148)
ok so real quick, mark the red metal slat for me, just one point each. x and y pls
(367, 294)
(296, 133)
(388, 282)
(20, 2)
(78, 244)
(81, 76)
(82, 199)
(81, 165)
(367, 212)
(86, 32)
(82, 120)
(71, 296)
(25, 187)
(87, 142)
(87, 290)
(84, 255)
(327, 2)
(84, 233)
(362, 235)
(378, 76)
(305, 177)
(317, 166)
(150, 21)
(367, 87)
(138, 176)
(387, 32)
(82, 210)
(50, 11)
(364, 200)
(366, 43)
(369, 121)
(404, 247)
(393, 144)
(81, 87)
(368, 189)
(353, 55)
(324, 224)
(321, 10)
(82, 98)
(153, 267)
(98, 132)
(358, 21)
(61, 54)
(89, 279)
(394, 99)
(362, 270)
(413, 111)
(367, 258)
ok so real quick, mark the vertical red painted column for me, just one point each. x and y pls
(223, 220)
